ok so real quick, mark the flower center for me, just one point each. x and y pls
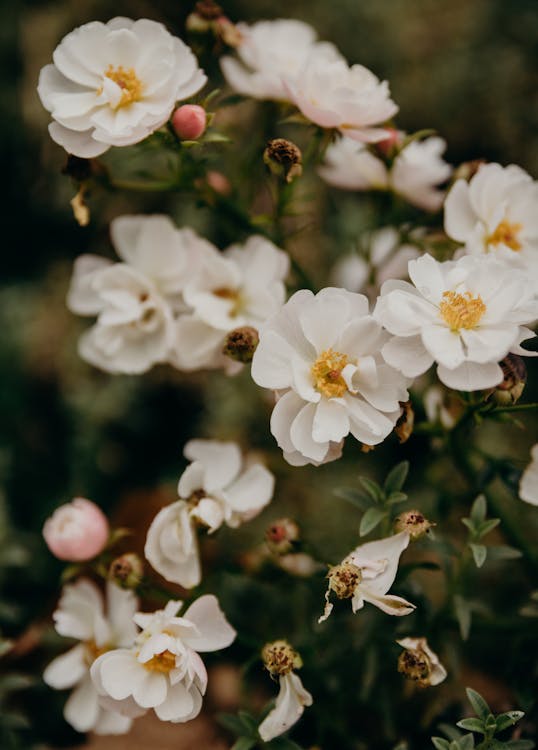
(327, 373)
(129, 83)
(344, 579)
(461, 310)
(415, 665)
(506, 234)
(280, 658)
(93, 651)
(164, 662)
(230, 294)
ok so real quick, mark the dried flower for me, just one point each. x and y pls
(281, 535)
(240, 344)
(283, 158)
(413, 523)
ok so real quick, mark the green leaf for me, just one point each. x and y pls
(508, 719)
(283, 743)
(440, 744)
(470, 525)
(472, 724)
(232, 723)
(248, 721)
(463, 614)
(244, 743)
(486, 526)
(353, 496)
(396, 478)
(520, 745)
(370, 519)
(478, 703)
(418, 136)
(503, 552)
(372, 488)
(478, 510)
(480, 552)
(466, 742)
(396, 497)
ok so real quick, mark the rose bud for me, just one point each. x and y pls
(189, 122)
(126, 571)
(76, 531)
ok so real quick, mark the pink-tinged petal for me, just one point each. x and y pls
(331, 422)
(323, 319)
(68, 669)
(403, 312)
(221, 461)
(387, 392)
(471, 376)
(286, 409)
(178, 705)
(214, 631)
(427, 276)
(460, 218)
(408, 355)
(151, 691)
(360, 337)
(191, 480)
(109, 722)
(444, 345)
(303, 380)
(120, 673)
(271, 364)
(82, 707)
(489, 344)
(381, 559)
(289, 707)
(301, 435)
(528, 484)
(368, 425)
(392, 605)
(251, 491)
(82, 298)
(78, 143)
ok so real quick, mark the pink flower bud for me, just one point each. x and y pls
(390, 143)
(76, 531)
(189, 121)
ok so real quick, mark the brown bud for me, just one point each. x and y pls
(367, 448)
(404, 425)
(281, 535)
(126, 571)
(81, 210)
(279, 658)
(344, 579)
(283, 158)
(513, 384)
(208, 10)
(468, 169)
(415, 665)
(414, 523)
(241, 343)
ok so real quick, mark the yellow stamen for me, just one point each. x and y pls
(231, 294)
(93, 651)
(129, 83)
(164, 662)
(327, 373)
(461, 310)
(506, 234)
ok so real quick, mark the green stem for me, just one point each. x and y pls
(517, 407)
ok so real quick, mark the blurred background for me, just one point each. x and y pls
(469, 70)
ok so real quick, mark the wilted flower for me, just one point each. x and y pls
(528, 485)
(367, 574)
(322, 355)
(281, 535)
(496, 213)
(466, 315)
(126, 570)
(134, 300)
(240, 344)
(419, 663)
(509, 391)
(81, 615)
(214, 489)
(413, 523)
(415, 172)
(163, 669)
(269, 51)
(113, 84)
(76, 531)
(404, 426)
(280, 659)
(283, 158)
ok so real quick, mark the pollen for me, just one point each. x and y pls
(129, 83)
(233, 295)
(461, 310)
(164, 662)
(327, 373)
(93, 651)
(506, 233)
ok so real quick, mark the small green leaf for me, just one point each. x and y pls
(396, 478)
(472, 724)
(466, 742)
(479, 509)
(232, 723)
(470, 525)
(486, 526)
(440, 744)
(480, 552)
(508, 719)
(519, 745)
(244, 743)
(503, 552)
(248, 721)
(370, 519)
(463, 614)
(353, 496)
(478, 703)
(372, 488)
(396, 497)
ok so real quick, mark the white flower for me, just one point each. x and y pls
(466, 315)
(113, 84)
(334, 95)
(81, 615)
(415, 173)
(387, 259)
(163, 670)
(242, 286)
(419, 663)
(270, 50)
(289, 707)
(134, 300)
(496, 213)
(322, 355)
(215, 488)
(528, 485)
(367, 574)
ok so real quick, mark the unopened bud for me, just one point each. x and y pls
(281, 535)
(189, 122)
(389, 145)
(126, 571)
(365, 448)
(467, 170)
(279, 658)
(201, 19)
(283, 158)
(81, 210)
(344, 579)
(406, 422)
(513, 384)
(241, 343)
(228, 32)
(414, 523)
(218, 182)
